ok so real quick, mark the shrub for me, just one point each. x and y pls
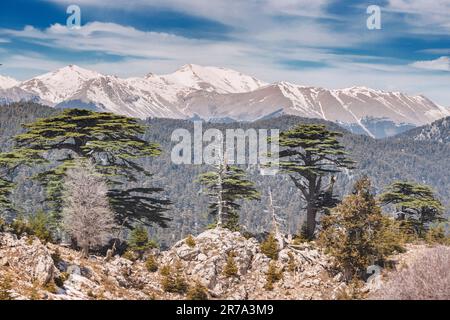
(165, 271)
(150, 264)
(436, 235)
(190, 241)
(353, 291)
(34, 292)
(357, 234)
(51, 287)
(197, 292)
(20, 226)
(39, 226)
(270, 247)
(291, 263)
(5, 288)
(139, 241)
(173, 280)
(273, 275)
(130, 255)
(230, 269)
(425, 278)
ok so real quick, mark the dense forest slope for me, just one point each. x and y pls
(383, 161)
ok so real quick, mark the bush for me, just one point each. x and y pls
(173, 280)
(51, 287)
(139, 241)
(36, 225)
(426, 278)
(230, 269)
(5, 288)
(270, 247)
(20, 226)
(39, 226)
(291, 263)
(436, 235)
(190, 241)
(273, 275)
(151, 265)
(130, 255)
(197, 292)
(357, 234)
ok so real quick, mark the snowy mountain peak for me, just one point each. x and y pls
(72, 71)
(213, 79)
(212, 92)
(7, 82)
(61, 84)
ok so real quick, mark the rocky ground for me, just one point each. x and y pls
(48, 271)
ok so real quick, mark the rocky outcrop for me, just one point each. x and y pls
(306, 272)
(48, 271)
(28, 257)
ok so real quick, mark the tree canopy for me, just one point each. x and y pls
(115, 145)
(226, 186)
(415, 203)
(308, 152)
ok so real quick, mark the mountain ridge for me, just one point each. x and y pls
(212, 92)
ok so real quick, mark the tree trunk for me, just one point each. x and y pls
(85, 251)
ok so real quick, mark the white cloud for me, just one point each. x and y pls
(439, 64)
(258, 54)
(424, 16)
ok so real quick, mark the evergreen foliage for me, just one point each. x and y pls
(173, 279)
(270, 247)
(39, 225)
(151, 264)
(5, 288)
(308, 152)
(139, 241)
(416, 205)
(190, 241)
(383, 160)
(112, 141)
(226, 186)
(273, 275)
(197, 292)
(357, 234)
(230, 269)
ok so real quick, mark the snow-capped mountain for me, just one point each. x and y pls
(212, 79)
(212, 93)
(7, 82)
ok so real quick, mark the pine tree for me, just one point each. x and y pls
(139, 240)
(40, 226)
(308, 152)
(416, 205)
(112, 141)
(226, 186)
(356, 233)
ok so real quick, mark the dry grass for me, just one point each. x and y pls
(427, 277)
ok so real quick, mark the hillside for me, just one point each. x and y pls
(382, 160)
(42, 271)
(438, 131)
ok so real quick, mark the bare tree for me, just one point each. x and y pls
(87, 216)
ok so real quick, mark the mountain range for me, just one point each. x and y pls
(212, 93)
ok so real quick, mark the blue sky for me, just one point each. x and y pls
(323, 42)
